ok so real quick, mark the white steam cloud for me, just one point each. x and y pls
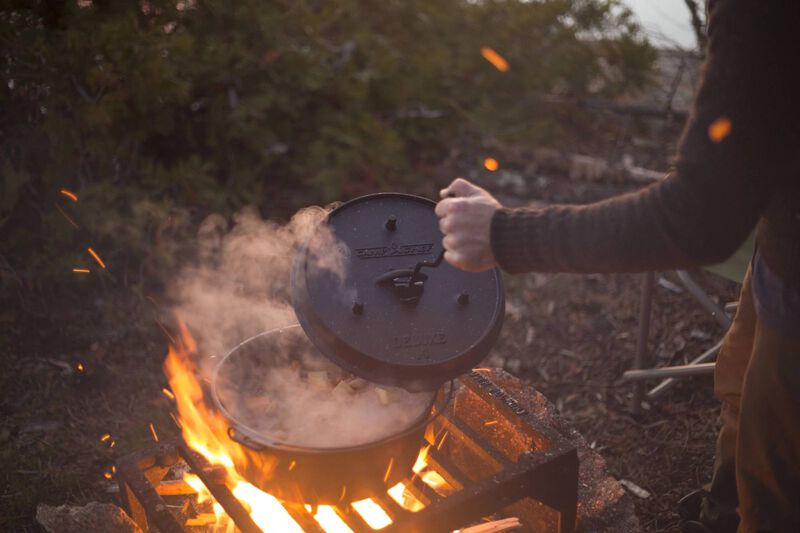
(240, 287)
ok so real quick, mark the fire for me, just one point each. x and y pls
(330, 521)
(204, 431)
(372, 513)
(433, 479)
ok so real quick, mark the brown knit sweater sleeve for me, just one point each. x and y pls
(701, 212)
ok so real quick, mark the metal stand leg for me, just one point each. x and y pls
(702, 298)
(645, 304)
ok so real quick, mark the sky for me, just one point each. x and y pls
(666, 22)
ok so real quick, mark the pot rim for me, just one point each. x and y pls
(434, 409)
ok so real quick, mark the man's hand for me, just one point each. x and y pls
(465, 217)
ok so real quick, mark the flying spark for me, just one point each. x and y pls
(81, 270)
(494, 58)
(96, 257)
(168, 393)
(69, 194)
(491, 164)
(388, 470)
(153, 431)
(105, 437)
(719, 129)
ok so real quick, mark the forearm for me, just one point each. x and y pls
(721, 184)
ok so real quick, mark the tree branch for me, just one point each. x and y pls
(697, 23)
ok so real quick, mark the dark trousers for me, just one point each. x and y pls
(757, 466)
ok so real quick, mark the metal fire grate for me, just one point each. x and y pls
(498, 457)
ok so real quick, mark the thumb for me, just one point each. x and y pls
(460, 188)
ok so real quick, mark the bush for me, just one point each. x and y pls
(156, 113)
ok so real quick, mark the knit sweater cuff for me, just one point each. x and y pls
(512, 239)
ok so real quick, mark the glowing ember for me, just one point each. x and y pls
(490, 423)
(399, 494)
(69, 194)
(388, 470)
(96, 257)
(81, 270)
(168, 393)
(719, 129)
(153, 431)
(441, 440)
(372, 513)
(330, 521)
(491, 164)
(494, 58)
(105, 437)
(80, 367)
(267, 512)
(107, 475)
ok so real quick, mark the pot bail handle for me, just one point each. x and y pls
(244, 440)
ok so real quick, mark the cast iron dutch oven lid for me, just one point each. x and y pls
(395, 313)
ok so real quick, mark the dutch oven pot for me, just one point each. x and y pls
(315, 475)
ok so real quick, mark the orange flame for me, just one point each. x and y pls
(204, 431)
(372, 513)
(494, 58)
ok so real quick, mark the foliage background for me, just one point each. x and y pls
(158, 113)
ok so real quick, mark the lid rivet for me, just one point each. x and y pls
(358, 307)
(463, 298)
(391, 223)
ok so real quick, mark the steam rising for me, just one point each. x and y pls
(280, 386)
(241, 285)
